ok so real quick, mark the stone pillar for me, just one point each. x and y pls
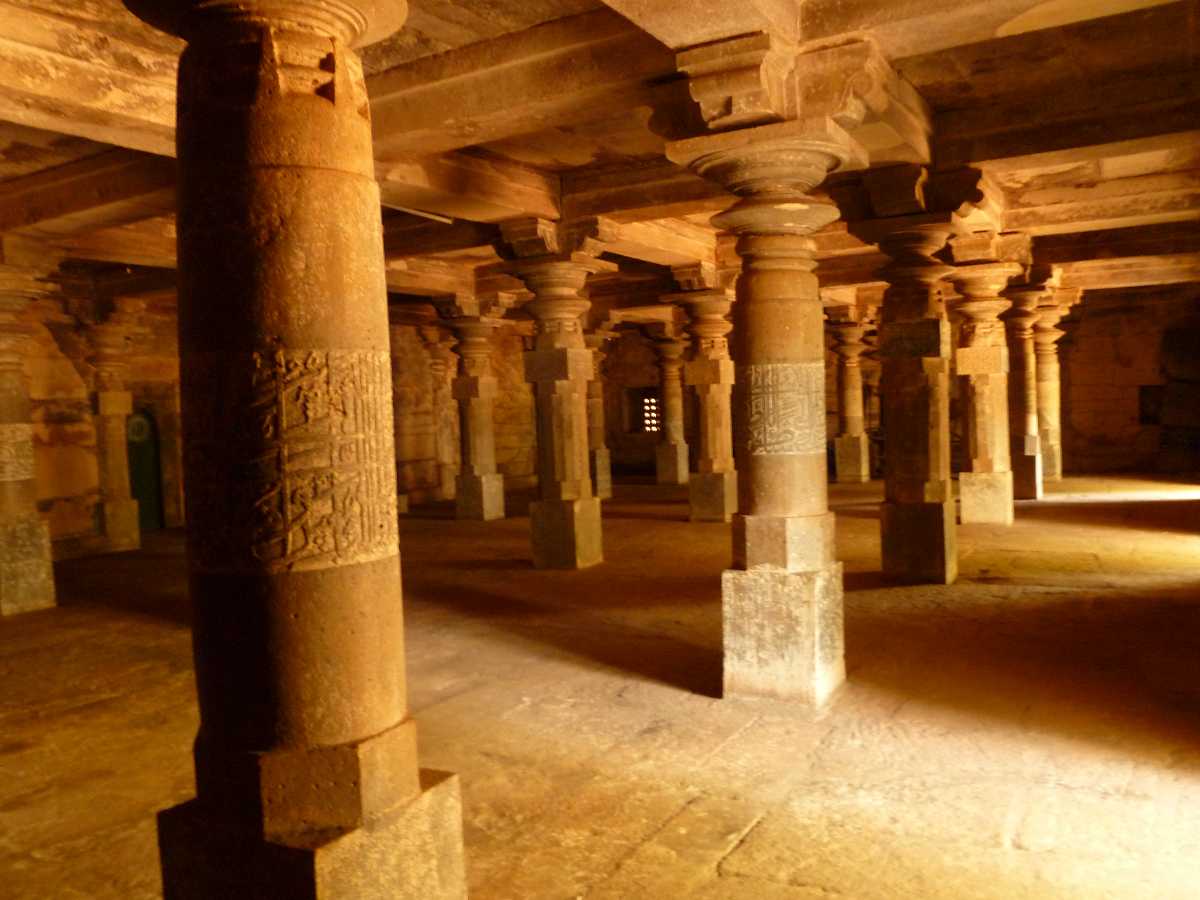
(986, 490)
(598, 455)
(306, 764)
(1025, 445)
(1046, 334)
(480, 486)
(917, 518)
(114, 405)
(712, 488)
(26, 574)
(852, 449)
(443, 363)
(782, 600)
(671, 454)
(566, 518)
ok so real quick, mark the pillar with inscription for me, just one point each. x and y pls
(480, 486)
(598, 455)
(852, 448)
(782, 600)
(114, 404)
(306, 763)
(919, 543)
(671, 454)
(986, 490)
(554, 260)
(26, 573)
(443, 365)
(1046, 334)
(1025, 443)
(712, 488)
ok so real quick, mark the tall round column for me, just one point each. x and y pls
(26, 573)
(1046, 334)
(852, 449)
(671, 454)
(782, 600)
(986, 490)
(1025, 442)
(480, 486)
(306, 764)
(919, 542)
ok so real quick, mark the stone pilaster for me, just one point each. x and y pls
(306, 763)
(712, 488)
(671, 454)
(1046, 334)
(918, 537)
(443, 365)
(782, 600)
(852, 449)
(26, 573)
(565, 519)
(986, 489)
(598, 455)
(480, 486)
(112, 341)
(1024, 443)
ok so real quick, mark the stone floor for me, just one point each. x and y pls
(1033, 731)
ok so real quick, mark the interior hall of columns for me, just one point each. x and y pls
(607, 448)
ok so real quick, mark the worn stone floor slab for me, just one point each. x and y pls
(1032, 731)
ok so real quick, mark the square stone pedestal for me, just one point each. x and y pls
(920, 544)
(1051, 462)
(480, 497)
(671, 463)
(783, 633)
(119, 519)
(852, 458)
(1027, 474)
(566, 533)
(601, 462)
(985, 497)
(415, 853)
(26, 573)
(713, 496)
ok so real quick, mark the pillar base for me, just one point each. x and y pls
(601, 463)
(671, 463)
(566, 533)
(713, 496)
(480, 497)
(919, 542)
(26, 573)
(783, 633)
(985, 497)
(413, 853)
(119, 519)
(1027, 476)
(1051, 462)
(447, 481)
(852, 458)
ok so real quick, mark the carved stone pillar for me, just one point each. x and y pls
(917, 519)
(26, 573)
(852, 449)
(1046, 334)
(712, 488)
(443, 364)
(986, 490)
(782, 600)
(598, 455)
(671, 454)
(480, 486)
(114, 404)
(565, 519)
(1025, 444)
(306, 763)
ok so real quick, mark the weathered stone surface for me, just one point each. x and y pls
(712, 496)
(480, 497)
(920, 542)
(566, 533)
(986, 497)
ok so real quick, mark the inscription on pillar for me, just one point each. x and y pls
(785, 408)
(290, 463)
(16, 452)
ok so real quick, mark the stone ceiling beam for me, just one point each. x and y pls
(1131, 271)
(149, 242)
(686, 23)
(665, 243)
(1149, 240)
(1119, 202)
(469, 186)
(655, 190)
(413, 237)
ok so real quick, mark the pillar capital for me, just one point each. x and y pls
(352, 22)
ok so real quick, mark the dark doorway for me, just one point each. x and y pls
(145, 469)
